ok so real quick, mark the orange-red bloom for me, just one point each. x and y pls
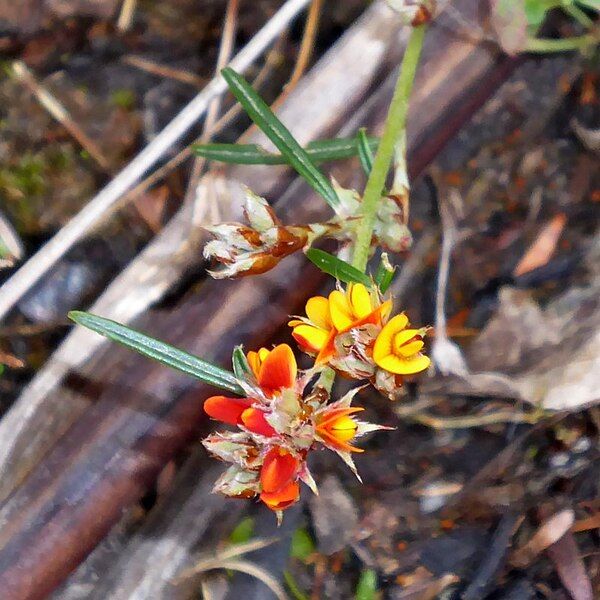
(279, 479)
(274, 369)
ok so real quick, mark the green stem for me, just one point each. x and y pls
(579, 15)
(560, 45)
(394, 125)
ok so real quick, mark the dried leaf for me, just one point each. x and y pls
(542, 249)
(570, 568)
(549, 532)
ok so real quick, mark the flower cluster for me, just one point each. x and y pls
(351, 331)
(258, 247)
(278, 424)
(254, 249)
(414, 12)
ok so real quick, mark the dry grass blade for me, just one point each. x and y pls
(126, 15)
(57, 111)
(163, 70)
(245, 566)
(228, 559)
(494, 418)
(225, 50)
(231, 552)
(446, 355)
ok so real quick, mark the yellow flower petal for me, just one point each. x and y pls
(317, 310)
(404, 366)
(384, 342)
(311, 337)
(360, 300)
(386, 309)
(339, 310)
(410, 348)
(263, 353)
(254, 362)
(402, 337)
(344, 428)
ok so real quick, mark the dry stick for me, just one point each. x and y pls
(58, 112)
(475, 420)
(106, 200)
(126, 15)
(225, 50)
(163, 70)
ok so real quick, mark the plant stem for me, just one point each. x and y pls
(394, 126)
(542, 45)
(579, 15)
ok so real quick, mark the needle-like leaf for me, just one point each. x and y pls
(160, 351)
(253, 154)
(332, 265)
(365, 152)
(277, 132)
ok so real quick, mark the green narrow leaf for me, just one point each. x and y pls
(365, 154)
(593, 4)
(302, 545)
(367, 586)
(159, 351)
(332, 265)
(293, 587)
(276, 131)
(243, 531)
(241, 368)
(384, 274)
(253, 154)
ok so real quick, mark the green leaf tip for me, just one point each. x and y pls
(332, 265)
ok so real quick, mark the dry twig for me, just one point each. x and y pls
(139, 62)
(57, 111)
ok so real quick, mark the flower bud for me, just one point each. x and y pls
(414, 12)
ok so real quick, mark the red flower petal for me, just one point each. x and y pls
(279, 369)
(254, 420)
(227, 410)
(283, 498)
(278, 470)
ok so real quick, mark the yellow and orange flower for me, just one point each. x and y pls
(397, 348)
(336, 427)
(339, 313)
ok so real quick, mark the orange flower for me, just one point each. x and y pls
(340, 312)
(398, 349)
(278, 479)
(275, 369)
(337, 428)
(238, 411)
